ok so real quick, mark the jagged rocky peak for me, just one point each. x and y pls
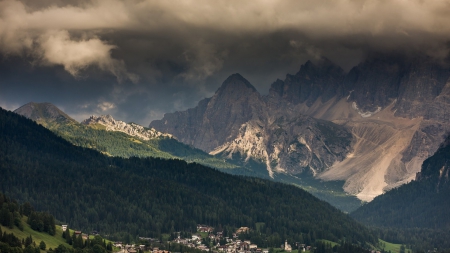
(409, 82)
(235, 87)
(236, 81)
(103, 120)
(422, 83)
(129, 128)
(215, 120)
(234, 91)
(374, 84)
(322, 79)
(40, 112)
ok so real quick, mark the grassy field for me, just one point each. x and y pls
(50, 241)
(203, 234)
(330, 242)
(392, 247)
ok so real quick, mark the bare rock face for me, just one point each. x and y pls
(313, 81)
(304, 143)
(372, 127)
(238, 120)
(289, 145)
(422, 83)
(132, 129)
(374, 84)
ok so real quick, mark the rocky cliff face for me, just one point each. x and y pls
(372, 127)
(238, 120)
(218, 119)
(131, 129)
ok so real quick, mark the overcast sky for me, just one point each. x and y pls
(138, 59)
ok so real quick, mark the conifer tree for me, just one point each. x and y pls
(42, 245)
(68, 237)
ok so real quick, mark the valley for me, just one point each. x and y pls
(227, 126)
(124, 197)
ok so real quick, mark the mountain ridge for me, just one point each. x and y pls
(390, 105)
(131, 129)
(117, 138)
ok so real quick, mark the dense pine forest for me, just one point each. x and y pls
(148, 197)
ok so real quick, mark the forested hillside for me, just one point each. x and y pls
(115, 143)
(151, 196)
(423, 203)
(418, 211)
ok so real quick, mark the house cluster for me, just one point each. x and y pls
(218, 243)
(83, 235)
(204, 228)
(238, 246)
(131, 248)
(232, 244)
(78, 233)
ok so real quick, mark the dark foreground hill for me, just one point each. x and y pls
(150, 196)
(417, 212)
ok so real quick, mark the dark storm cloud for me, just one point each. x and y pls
(137, 59)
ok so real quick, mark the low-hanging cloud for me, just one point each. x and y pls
(56, 47)
(376, 24)
(190, 47)
(33, 33)
(202, 60)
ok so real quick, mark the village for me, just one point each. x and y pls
(218, 243)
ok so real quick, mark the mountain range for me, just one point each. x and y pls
(371, 127)
(117, 138)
